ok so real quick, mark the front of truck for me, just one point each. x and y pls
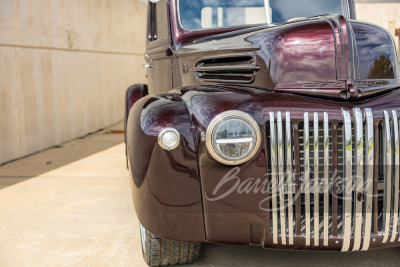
(290, 111)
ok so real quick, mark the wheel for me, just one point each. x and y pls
(162, 252)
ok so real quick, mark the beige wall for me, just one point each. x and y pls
(386, 15)
(64, 69)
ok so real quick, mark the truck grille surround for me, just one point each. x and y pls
(333, 179)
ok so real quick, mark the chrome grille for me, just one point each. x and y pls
(355, 152)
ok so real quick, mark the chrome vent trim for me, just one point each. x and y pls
(230, 68)
(356, 157)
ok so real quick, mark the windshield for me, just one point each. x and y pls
(205, 14)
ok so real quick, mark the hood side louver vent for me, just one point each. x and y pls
(227, 68)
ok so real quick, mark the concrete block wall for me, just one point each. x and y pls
(64, 69)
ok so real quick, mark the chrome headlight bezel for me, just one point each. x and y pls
(163, 133)
(223, 117)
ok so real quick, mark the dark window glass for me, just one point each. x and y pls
(204, 14)
(285, 10)
(152, 24)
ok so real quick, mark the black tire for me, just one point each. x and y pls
(163, 252)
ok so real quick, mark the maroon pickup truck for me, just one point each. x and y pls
(270, 123)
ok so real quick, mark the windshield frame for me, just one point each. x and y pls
(183, 35)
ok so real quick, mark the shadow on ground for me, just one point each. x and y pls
(59, 156)
(219, 255)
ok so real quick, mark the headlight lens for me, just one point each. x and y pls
(233, 138)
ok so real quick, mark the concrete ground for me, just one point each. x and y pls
(71, 206)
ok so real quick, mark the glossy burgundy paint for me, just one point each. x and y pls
(321, 64)
(317, 56)
(303, 44)
(133, 94)
(165, 185)
(168, 194)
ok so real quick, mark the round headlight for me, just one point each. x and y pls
(233, 138)
(169, 139)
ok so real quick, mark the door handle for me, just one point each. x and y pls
(148, 66)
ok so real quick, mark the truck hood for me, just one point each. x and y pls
(328, 56)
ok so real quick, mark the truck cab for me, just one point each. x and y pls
(269, 123)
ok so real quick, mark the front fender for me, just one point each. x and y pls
(165, 184)
(132, 95)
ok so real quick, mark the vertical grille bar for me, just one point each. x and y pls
(348, 183)
(273, 178)
(369, 183)
(289, 171)
(359, 186)
(358, 211)
(397, 163)
(395, 175)
(316, 181)
(335, 210)
(326, 179)
(387, 154)
(307, 177)
(281, 175)
(296, 143)
(377, 149)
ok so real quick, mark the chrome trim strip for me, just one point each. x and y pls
(273, 178)
(306, 141)
(387, 154)
(369, 177)
(228, 68)
(348, 182)
(281, 159)
(289, 171)
(316, 181)
(359, 181)
(326, 179)
(395, 175)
